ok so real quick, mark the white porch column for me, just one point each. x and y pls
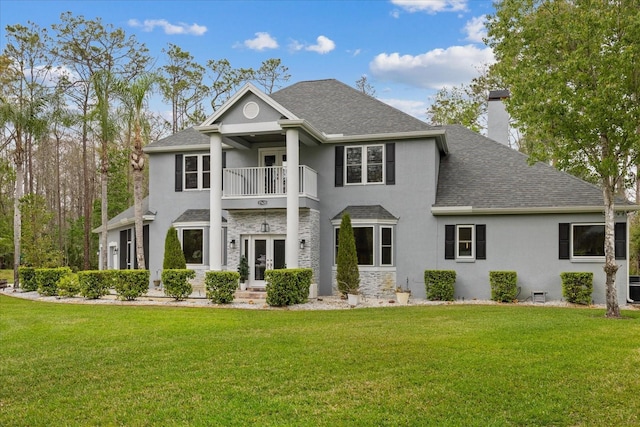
(215, 204)
(293, 184)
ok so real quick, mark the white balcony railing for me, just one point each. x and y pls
(267, 181)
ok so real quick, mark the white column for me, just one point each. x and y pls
(293, 183)
(215, 204)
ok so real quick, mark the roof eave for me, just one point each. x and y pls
(470, 210)
(124, 222)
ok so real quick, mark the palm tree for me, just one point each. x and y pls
(134, 96)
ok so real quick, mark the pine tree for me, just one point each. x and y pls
(348, 275)
(173, 255)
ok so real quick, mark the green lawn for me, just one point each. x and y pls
(7, 274)
(65, 364)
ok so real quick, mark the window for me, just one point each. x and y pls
(465, 242)
(365, 241)
(197, 172)
(587, 240)
(364, 164)
(192, 247)
(386, 246)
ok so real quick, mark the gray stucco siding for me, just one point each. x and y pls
(529, 245)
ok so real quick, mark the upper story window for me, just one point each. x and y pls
(197, 171)
(364, 164)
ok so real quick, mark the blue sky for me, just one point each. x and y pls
(407, 48)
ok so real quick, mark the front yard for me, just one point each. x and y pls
(67, 364)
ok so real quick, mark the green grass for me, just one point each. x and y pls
(65, 364)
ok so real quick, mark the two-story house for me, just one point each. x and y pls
(269, 177)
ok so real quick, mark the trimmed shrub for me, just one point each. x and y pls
(288, 286)
(176, 282)
(173, 256)
(503, 285)
(439, 284)
(47, 279)
(68, 285)
(131, 284)
(347, 273)
(95, 283)
(577, 287)
(243, 269)
(221, 285)
(28, 279)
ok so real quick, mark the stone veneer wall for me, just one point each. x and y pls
(378, 283)
(243, 223)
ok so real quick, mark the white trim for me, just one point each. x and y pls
(336, 222)
(586, 258)
(471, 257)
(391, 246)
(125, 222)
(199, 172)
(190, 224)
(364, 180)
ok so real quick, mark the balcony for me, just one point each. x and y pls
(242, 186)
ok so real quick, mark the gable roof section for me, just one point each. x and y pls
(195, 215)
(333, 108)
(483, 176)
(127, 217)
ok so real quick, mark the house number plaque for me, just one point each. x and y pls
(262, 202)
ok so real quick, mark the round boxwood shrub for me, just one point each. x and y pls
(28, 279)
(577, 287)
(176, 282)
(131, 284)
(221, 285)
(95, 283)
(47, 279)
(68, 285)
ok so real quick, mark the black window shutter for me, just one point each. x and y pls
(178, 172)
(621, 240)
(449, 242)
(391, 163)
(481, 241)
(339, 166)
(563, 241)
(145, 244)
(122, 251)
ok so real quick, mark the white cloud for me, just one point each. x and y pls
(475, 29)
(262, 41)
(295, 46)
(149, 25)
(435, 69)
(414, 108)
(323, 45)
(431, 6)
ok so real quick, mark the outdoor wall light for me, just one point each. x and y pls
(264, 227)
(302, 243)
(232, 244)
(115, 250)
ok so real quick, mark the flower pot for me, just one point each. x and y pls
(403, 297)
(243, 286)
(353, 299)
(156, 283)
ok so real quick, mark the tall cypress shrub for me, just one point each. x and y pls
(348, 275)
(173, 255)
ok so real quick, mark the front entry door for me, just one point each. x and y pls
(264, 253)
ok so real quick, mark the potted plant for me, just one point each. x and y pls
(243, 270)
(402, 294)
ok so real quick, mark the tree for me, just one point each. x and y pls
(173, 255)
(456, 105)
(39, 246)
(363, 85)
(103, 82)
(135, 95)
(22, 103)
(347, 275)
(271, 75)
(571, 67)
(182, 86)
(225, 80)
(85, 47)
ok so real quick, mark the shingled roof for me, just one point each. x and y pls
(365, 212)
(183, 138)
(333, 107)
(483, 174)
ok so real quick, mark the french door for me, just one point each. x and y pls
(264, 252)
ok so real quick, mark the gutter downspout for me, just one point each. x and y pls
(629, 300)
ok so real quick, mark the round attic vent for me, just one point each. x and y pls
(251, 110)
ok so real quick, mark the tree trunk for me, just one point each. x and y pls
(137, 195)
(104, 176)
(87, 202)
(17, 216)
(610, 266)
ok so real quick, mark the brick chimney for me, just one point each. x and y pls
(497, 117)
